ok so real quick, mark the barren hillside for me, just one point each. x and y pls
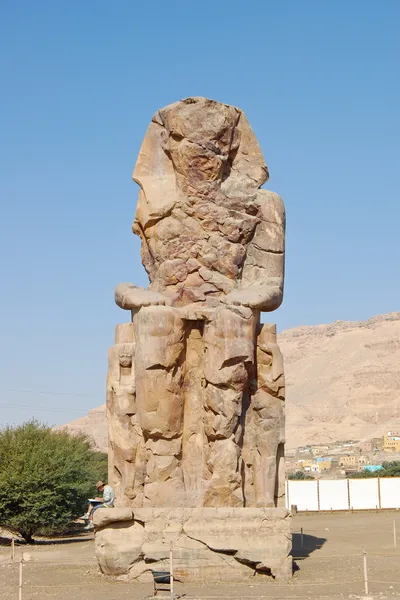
(343, 381)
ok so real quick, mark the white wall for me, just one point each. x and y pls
(364, 493)
(344, 494)
(333, 494)
(302, 493)
(390, 492)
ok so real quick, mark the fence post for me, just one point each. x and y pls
(12, 548)
(171, 571)
(318, 496)
(20, 579)
(348, 494)
(379, 492)
(301, 538)
(394, 534)
(365, 573)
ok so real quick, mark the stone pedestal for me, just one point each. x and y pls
(209, 544)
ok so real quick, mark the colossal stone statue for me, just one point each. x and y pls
(195, 390)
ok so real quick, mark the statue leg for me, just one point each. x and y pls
(193, 427)
(125, 439)
(267, 441)
(159, 335)
(229, 355)
(264, 437)
(128, 459)
(114, 471)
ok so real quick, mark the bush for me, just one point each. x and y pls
(300, 476)
(364, 474)
(46, 478)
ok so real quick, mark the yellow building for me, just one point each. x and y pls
(324, 464)
(319, 450)
(305, 463)
(391, 442)
(348, 460)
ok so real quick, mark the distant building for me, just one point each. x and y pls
(365, 446)
(291, 466)
(323, 463)
(372, 468)
(305, 464)
(348, 460)
(363, 460)
(391, 442)
(319, 450)
(377, 443)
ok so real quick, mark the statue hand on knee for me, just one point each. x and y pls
(130, 297)
(262, 296)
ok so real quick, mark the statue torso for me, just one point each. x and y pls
(196, 252)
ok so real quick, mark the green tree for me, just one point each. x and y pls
(391, 469)
(100, 466)
(46, 477)
(300, 476)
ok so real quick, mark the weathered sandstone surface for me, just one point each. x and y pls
(195, 387)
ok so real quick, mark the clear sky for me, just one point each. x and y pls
(80, 81)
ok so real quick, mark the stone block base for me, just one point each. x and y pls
(212, 544)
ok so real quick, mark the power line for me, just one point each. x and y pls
(43, 408)
(45, 392)
(52, 409)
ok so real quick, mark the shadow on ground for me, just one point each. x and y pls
(76, 533)
(58, 541)
(303, 548)
(5, 541)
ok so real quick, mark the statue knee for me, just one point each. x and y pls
(158, 321)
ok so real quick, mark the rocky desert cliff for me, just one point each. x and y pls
(343, 382)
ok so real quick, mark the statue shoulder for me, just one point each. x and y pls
(272, 207)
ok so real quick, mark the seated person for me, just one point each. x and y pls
(107, 501)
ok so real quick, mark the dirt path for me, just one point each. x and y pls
(330, 565)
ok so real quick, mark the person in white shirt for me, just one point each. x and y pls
(107, 501)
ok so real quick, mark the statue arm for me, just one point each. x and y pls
(131, 297)
(263, 270)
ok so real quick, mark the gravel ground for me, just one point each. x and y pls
(329, 565)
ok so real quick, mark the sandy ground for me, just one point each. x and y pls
(330, 565)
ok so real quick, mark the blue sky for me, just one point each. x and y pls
(319, 82)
